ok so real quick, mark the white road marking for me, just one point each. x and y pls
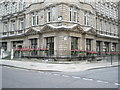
(41, 72)
(49, 73)
(100, 81)
(65, 76)
(117, 84)
(56, 74)
(75, 77)
(87, 79)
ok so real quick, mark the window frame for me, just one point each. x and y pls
(5, 27)
(13, 27)
(48, 15)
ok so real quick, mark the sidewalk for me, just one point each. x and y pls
(71, 67)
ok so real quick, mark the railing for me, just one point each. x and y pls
(45, 53)
(13, 32)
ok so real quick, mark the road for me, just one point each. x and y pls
(97, 78)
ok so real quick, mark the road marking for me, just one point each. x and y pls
(49, 73)
(87, 79)
(56, 74)
(65, 76)
(104, 82)
(75, 77)
(41, 72)
(100, 81)
(117, 84)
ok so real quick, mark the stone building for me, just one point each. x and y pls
(60, 26)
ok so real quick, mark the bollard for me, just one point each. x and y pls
(12, 54)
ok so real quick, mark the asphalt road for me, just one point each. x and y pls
(97, 78)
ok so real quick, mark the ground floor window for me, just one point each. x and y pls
(16, 43)
(98, 47)
(50, 45)
(4, 45)
(74, 45)
(107, 47)
(114, 47)
(34, 46)
(88, 44)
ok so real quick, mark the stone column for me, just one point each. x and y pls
(83, 42)
(44, 46)
(93, 43)
(80, 44)
(55, 46)
(110, 47)
(101, 47)
(9, 46)
(69, 46)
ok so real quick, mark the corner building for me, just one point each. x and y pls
(60, 26)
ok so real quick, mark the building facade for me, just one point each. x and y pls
(60, 26)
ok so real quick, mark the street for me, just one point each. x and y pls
(96, 78)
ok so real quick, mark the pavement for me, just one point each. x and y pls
(74, 66)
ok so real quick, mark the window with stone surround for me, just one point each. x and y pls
(34, 1)
(75, 15)
(85, 18)
(34, 46)
(53, 14)
(13, 25)
(6, 9)
(88, 44)
(14, 7)
(4, 45)
(21, 27)
(74, 44)
(106, 46)
(5, 26)
(21, 5)
(48, 15)
(114, 46)
(70, 13)
(98, 47)
(50, 45)
(35, 18)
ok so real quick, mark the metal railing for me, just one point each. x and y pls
(67, 55)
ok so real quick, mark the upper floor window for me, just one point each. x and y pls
(70, 13)
(85, 18)
(5, 27)
(6, 9)
(21, 5)
(75, 15)
(48, 15)
(100, 24)
(14, 6)
(34, 1)
(53, 13)
(35, 18)
(21, 24)
(12, 25)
